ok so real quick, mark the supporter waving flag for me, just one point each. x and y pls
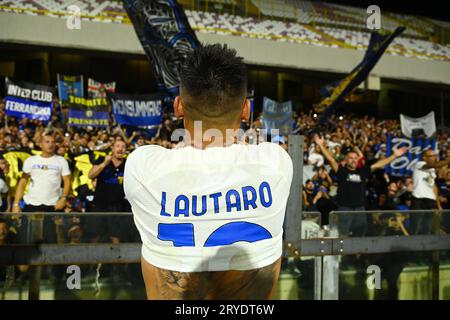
(335, 93)
(165, 35)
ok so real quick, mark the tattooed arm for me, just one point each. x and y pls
(259, 284)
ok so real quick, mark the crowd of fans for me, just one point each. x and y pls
(105, 194)
(365, 136)
(345, 148)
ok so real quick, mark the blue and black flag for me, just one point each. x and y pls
(28, 100)
(404, 165)
(165, 35)
(136, 110)
(335, 93)
(88, 112)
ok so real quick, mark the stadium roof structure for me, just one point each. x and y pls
(319, 36)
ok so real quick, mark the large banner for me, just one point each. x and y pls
(100, 90)
(427, 123)
(136, 110)
(28, 100)
(15, 160)
(69, 86)
(277, 115)
(165, 35)
(403, 165)
(88, 112)
(335, 93)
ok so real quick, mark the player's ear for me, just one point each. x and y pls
(178, 107)
(245, 114)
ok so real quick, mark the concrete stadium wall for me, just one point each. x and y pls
(121, 38)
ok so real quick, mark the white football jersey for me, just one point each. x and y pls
(216, 209)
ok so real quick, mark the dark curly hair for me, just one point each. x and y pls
(213, 83)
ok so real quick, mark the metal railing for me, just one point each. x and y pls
(408, 238)
(36, 254)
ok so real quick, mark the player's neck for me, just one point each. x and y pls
(202, 137)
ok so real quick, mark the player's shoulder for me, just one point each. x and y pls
(144, 154)
(147, 151)
(271, 149)
(278, 158)
(143, 164)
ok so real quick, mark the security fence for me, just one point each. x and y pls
(363, 255)
(39, 262)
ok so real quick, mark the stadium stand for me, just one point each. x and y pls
(312, 23)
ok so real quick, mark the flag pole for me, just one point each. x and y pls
(252, 106)
(6, 117)
(442, 111)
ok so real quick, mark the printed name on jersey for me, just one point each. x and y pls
(234, 200)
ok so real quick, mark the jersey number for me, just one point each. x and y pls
(182, 234)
